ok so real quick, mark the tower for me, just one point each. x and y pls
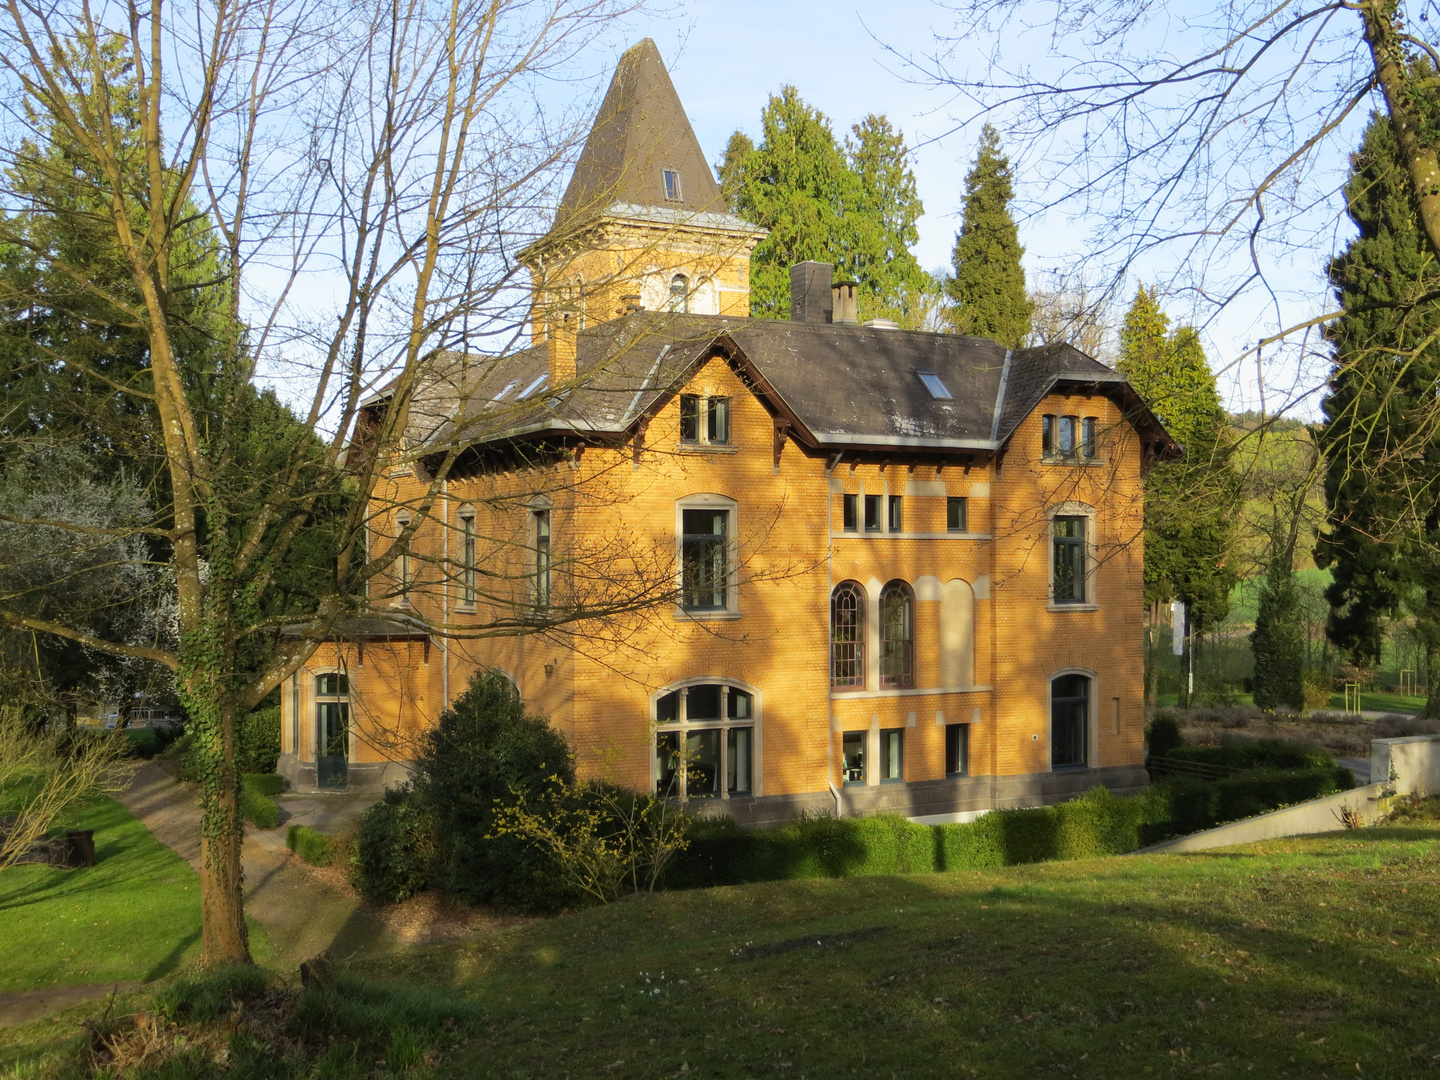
(642, 224)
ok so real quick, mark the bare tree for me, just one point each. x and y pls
(358, 178)
(1206, 141)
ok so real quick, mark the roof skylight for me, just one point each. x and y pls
(534, 386)
(503, 394)
(934, 385)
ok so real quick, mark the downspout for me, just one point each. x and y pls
(445, 595)
(830, 589)
(994, 578)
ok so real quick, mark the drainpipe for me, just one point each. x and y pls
(830, 588)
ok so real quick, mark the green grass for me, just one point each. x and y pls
(1300, 958)
(1374, 701)
(134, 915)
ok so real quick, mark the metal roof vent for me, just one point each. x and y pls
(882, 324)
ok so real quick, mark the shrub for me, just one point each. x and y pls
(1237, 753)
(487, 751)
(256, 806)
(1162, 735)
(1317, 688)
(394, 847)
(311, 845)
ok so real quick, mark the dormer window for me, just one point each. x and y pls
(672, 185)
(932, 383)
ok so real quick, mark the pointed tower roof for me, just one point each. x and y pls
(640, 133)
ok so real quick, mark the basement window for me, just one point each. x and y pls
(932, 383)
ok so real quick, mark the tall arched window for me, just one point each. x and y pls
(1069, 721)
(897, 646)
(680, 293)
(847, 635)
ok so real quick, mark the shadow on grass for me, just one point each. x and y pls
(170, 962)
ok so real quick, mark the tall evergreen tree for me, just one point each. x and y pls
(1278, 641)
(893, 284)
(797, 184)
(853, 205)
(1190, 526)
(988, 288)
(1379, 438)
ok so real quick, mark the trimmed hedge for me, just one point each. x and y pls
(256, 806)
(1255, 754)
(1097, 823)
(311, 845)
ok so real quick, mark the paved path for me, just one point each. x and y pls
(1359, 766)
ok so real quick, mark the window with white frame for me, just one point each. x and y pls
(705, 742)
(1068, 559)
(404, 571)
(467, 556)
(1068, 438)
(704, 421)
(540, 529)
(707, 553)
(680, 294)
(847, 635)
(897, 644)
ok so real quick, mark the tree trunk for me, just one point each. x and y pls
(224, 938)
(1401, 93)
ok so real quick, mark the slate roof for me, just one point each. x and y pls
(839, 386)
(641, 129)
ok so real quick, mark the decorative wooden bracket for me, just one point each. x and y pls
(782, 433)
(640, 428)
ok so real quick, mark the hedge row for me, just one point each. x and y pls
(1255, 754)
(309, 844)
(1096, 823)
(256, 806)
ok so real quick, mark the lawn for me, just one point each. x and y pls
(1315, 957)
(1378, 702)
(134, 915)
(1299, 958)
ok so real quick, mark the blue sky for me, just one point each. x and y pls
(726, 57)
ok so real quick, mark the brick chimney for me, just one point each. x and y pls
(845, 304)
(560, 346)
(810, 295)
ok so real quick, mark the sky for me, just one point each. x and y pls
(727, 57)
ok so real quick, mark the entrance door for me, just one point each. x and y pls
(333, 761)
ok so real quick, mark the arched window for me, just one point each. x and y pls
(1069, 721)
(680, 293)
(897, 646)
(403, 570)
(847, 635)
(704, 743)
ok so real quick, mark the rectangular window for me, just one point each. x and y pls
(702, 762)
(467, 573)
(957, 749)
(892, 754)
(667, 764)
(1087, 438)
(704, 554)
(1067, 445)
(852, 761)
(718, 413)
(689, 418)
(956, 514)
(295, 714)
(1069, 560)
(737, 760)
(851, 512)
(542, 560)
(1047, 436)
(896, 522)
(672, 185)
(403, 563)
(872, 513)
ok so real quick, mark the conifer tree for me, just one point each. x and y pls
(988, 289)
(893, 284)
(852, 205)
(1381, 447)
(1278, 641)
(1190, 526)
(797, 184)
